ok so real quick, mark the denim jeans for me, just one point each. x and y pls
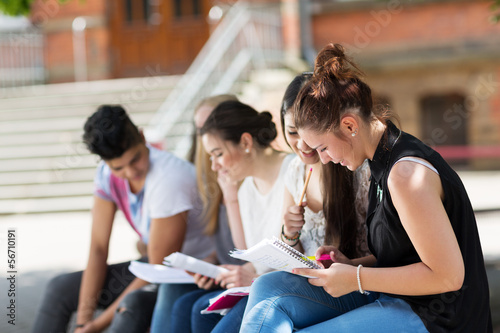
(167, 296)
(62, 292)
(135, 310)
(282, 302)
(215, 323)
(181, 311)
(385, 315)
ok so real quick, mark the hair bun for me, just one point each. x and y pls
(267, 132)
(332, 62)
(266, 116)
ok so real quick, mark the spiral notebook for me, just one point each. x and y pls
(275, 254)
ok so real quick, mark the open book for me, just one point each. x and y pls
(225, 301)
(275, 254)
(193, 265)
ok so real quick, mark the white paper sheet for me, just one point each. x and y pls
(159, 273)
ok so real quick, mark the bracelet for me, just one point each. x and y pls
(79, 325)
(292, 245)
(361, 291)
(289, 239)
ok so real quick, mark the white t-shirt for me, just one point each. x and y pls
(313, 232)
(261, 215)
(170, 188)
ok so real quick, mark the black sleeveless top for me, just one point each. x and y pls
(465, 310)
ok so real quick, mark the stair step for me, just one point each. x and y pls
(68, 93)
(59, 124)
(49, 176)
(23, 139)
(49, 150)
(84, 109)
(46, 205)
(77, 159)
(47, 190)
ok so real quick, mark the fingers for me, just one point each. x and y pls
(197, 277)
(222, 276)
(208, 284)
(296, 210)
(230, 267)
(201, 280)
(236, 278)
(324, 249)
(306, 272)
(294, 220)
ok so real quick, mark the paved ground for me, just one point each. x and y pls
(49, 244)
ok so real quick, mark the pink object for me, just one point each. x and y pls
(324, 257)
(226, 302)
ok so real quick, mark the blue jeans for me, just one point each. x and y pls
(216, 323)
(167, 295)
(282, 302)
(181, 312)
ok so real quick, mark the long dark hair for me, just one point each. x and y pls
(336, 186)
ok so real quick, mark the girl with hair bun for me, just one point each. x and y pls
(238, 140)
(427, 271)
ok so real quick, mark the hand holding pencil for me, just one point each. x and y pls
(294, 215)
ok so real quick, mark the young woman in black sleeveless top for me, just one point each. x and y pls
(427, 270)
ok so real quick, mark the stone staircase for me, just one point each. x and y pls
(44, 167)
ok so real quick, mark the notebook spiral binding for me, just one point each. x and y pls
(295, 254)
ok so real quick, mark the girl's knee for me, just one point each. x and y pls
(269, 280)
(276, 283)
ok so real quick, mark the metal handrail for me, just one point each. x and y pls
(21, 58)
(247, 37)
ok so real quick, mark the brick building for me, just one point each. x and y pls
(121, 38)
(437, 63)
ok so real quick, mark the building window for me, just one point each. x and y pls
(137, 11)
(128, 11)
(445, 122)
(185, 8)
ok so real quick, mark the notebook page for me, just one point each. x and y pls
(193, 265)
(159, 273)
(267, 253)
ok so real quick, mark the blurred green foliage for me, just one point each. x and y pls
(18, 7)
(15, 7)
(495, 8)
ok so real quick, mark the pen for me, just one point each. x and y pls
(305, 186)
(323, 257)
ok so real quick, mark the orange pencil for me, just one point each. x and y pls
(305, 186)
